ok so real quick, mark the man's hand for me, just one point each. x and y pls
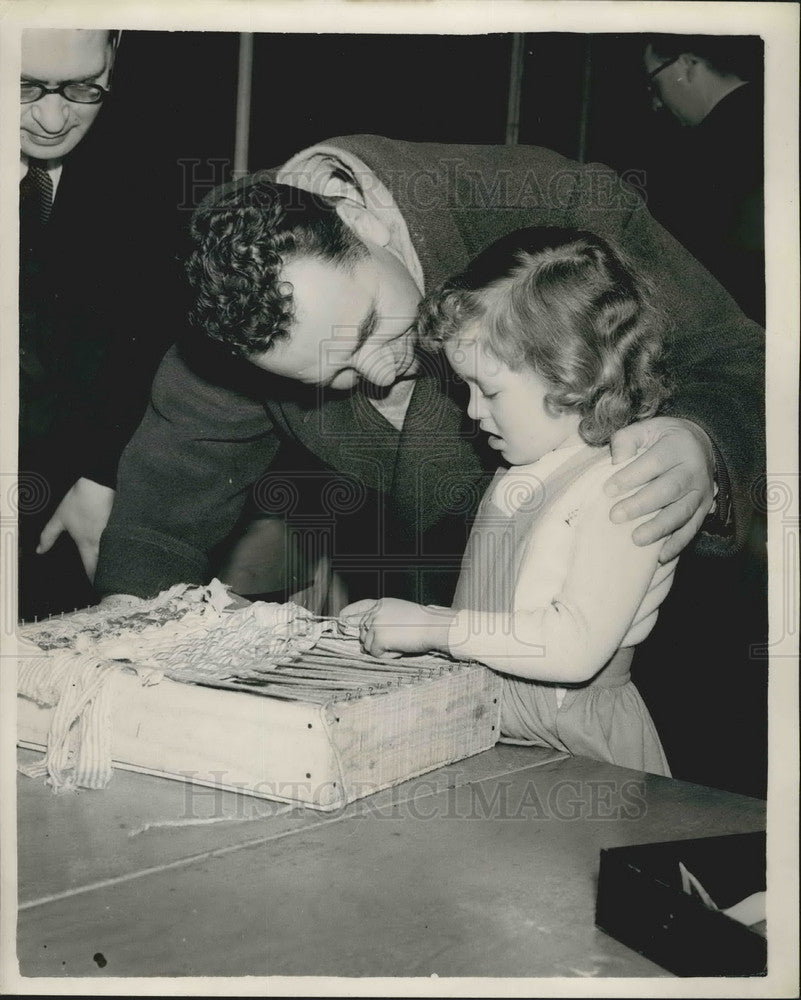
(673, 477)
(391, 627)
(83, 514)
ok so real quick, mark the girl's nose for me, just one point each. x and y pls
(474, 407)
(50, 113)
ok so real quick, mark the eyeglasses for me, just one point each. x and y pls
(655, 72)
(76, 92)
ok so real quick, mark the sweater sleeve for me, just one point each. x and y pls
(183, 480)
(611, 592)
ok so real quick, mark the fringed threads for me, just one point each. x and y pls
(79, 739)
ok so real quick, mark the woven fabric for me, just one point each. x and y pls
(191, 635)
(185, 633)
(75, 684)
(188, 633)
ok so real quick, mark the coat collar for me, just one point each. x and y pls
(427, 468)
(438, 470)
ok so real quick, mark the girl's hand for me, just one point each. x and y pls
(391, 627)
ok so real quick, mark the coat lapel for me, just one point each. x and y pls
(430, 469)
(346, 432)
(439, 470)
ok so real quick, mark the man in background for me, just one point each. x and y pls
(707, 185)
(89, 258)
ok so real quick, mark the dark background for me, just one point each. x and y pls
(173, 117)
(176, 91)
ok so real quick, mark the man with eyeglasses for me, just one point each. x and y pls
(63, 80)
(706, 186)
(87, 248)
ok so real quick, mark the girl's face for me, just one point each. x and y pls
(509, 405)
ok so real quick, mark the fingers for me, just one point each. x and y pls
(352, 619)
(370, 641)
(353, 613)
(375, 648)
(88, 554)
(680, 539)
(625, 442)
(49, 534)
(673, 487)
(649, 466)
(671, 518)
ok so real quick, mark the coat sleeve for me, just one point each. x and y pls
(715, 355)
(183, 480)
(716, 360)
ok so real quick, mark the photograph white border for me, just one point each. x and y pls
(778, 24)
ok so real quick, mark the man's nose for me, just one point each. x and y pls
(50, 113)
(656, 102)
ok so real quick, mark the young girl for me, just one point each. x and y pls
(558, 344)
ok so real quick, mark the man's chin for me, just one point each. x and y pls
(343, 381)
(410, 369)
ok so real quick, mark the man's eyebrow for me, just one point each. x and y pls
(78, 79)
(367, 327)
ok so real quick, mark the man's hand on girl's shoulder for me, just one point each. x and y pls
(674, 479)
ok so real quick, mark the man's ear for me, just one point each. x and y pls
(113, 45)
(363, 222)
(690, 65)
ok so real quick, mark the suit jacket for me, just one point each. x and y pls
(707, 188)
(211, 433)
(90, 288)
(88, 343)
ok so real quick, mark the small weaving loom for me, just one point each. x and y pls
(265, 699)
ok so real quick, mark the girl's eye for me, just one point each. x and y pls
(489, 395)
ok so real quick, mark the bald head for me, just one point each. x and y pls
(52, 127)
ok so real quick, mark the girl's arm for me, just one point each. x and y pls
(567, 641)
(570, 639)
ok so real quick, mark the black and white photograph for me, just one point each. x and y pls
(399, 498)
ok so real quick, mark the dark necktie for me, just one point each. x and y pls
(35, 200)
(35, 205)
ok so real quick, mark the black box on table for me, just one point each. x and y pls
(641, 902)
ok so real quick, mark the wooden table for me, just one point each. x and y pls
(484, 868)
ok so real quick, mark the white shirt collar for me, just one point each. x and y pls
(336, 173)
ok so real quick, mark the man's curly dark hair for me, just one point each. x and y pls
(244, 236)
